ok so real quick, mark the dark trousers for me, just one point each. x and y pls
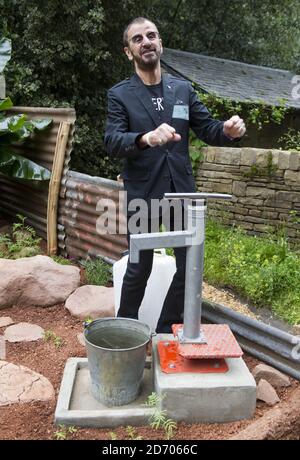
(135, 282)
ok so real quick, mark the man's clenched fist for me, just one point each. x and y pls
(234, 127)
(160, 136)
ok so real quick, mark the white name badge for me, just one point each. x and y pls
(181, 111)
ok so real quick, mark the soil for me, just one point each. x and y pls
(44, 358)
(35, 421)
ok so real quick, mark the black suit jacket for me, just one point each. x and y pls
(131, 113)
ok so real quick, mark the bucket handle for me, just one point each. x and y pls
(87, 323)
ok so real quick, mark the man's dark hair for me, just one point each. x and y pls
(139, 20)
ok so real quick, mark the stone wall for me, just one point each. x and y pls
(265, 185)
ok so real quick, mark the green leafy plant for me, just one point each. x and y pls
(23, 233)
(132, 434)
(159, 418)
(22, 243)
(46, 72)
(271, 167)
(15, 129)
(63, 432)
(51, 336)
(196, 153)
(258, 171)
(88, 320)
(4, 245)
(256, 113)
(290, 140)
(265, 270)
(97, 272)
(294, 216)
(61, 260)
(113, 436)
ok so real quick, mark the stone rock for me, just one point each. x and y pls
(294, 161)
(292, 176)
(288, 196)
(80, 338)
(248, 156)
(271, 375)
(261, 192)
(266, 393)
(91, 301)
(261, 159)
(5, 321)
(296, 329)
(36, 280)
(284, 160)
(228, 156)
(279, 422)
(18, 384)
(210, 155)
(239, 188)
(23, 332)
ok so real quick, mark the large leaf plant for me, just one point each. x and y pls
(16, 129)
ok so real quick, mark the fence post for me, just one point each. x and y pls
(54, 186)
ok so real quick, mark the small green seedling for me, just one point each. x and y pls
(113, 435)
(159, 417)
(132, 434)
(61, 260)
(51, 336)
(63, 432)
(88, 320)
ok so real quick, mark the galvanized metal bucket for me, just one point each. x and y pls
(116, 351)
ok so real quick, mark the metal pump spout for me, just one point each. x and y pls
(193, 240)
(145, 241)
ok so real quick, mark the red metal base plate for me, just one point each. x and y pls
(172, 363)
(221, 343)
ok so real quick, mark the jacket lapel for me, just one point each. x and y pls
(169, 99)
(144, 97)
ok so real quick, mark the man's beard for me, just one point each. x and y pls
(150, 64)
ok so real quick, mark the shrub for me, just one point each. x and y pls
(263, 269)
(22, 243)
(97, 272)
(67, 55)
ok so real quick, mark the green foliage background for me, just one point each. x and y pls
(264, 270)
(69, 53)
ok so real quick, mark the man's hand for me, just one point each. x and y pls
(160, 136)
(234, 127)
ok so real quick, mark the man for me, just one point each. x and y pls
(149, 116)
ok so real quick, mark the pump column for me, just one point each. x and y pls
(194, 274)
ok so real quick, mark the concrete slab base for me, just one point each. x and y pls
(188, 397)
(205, 398)
(76, 405)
